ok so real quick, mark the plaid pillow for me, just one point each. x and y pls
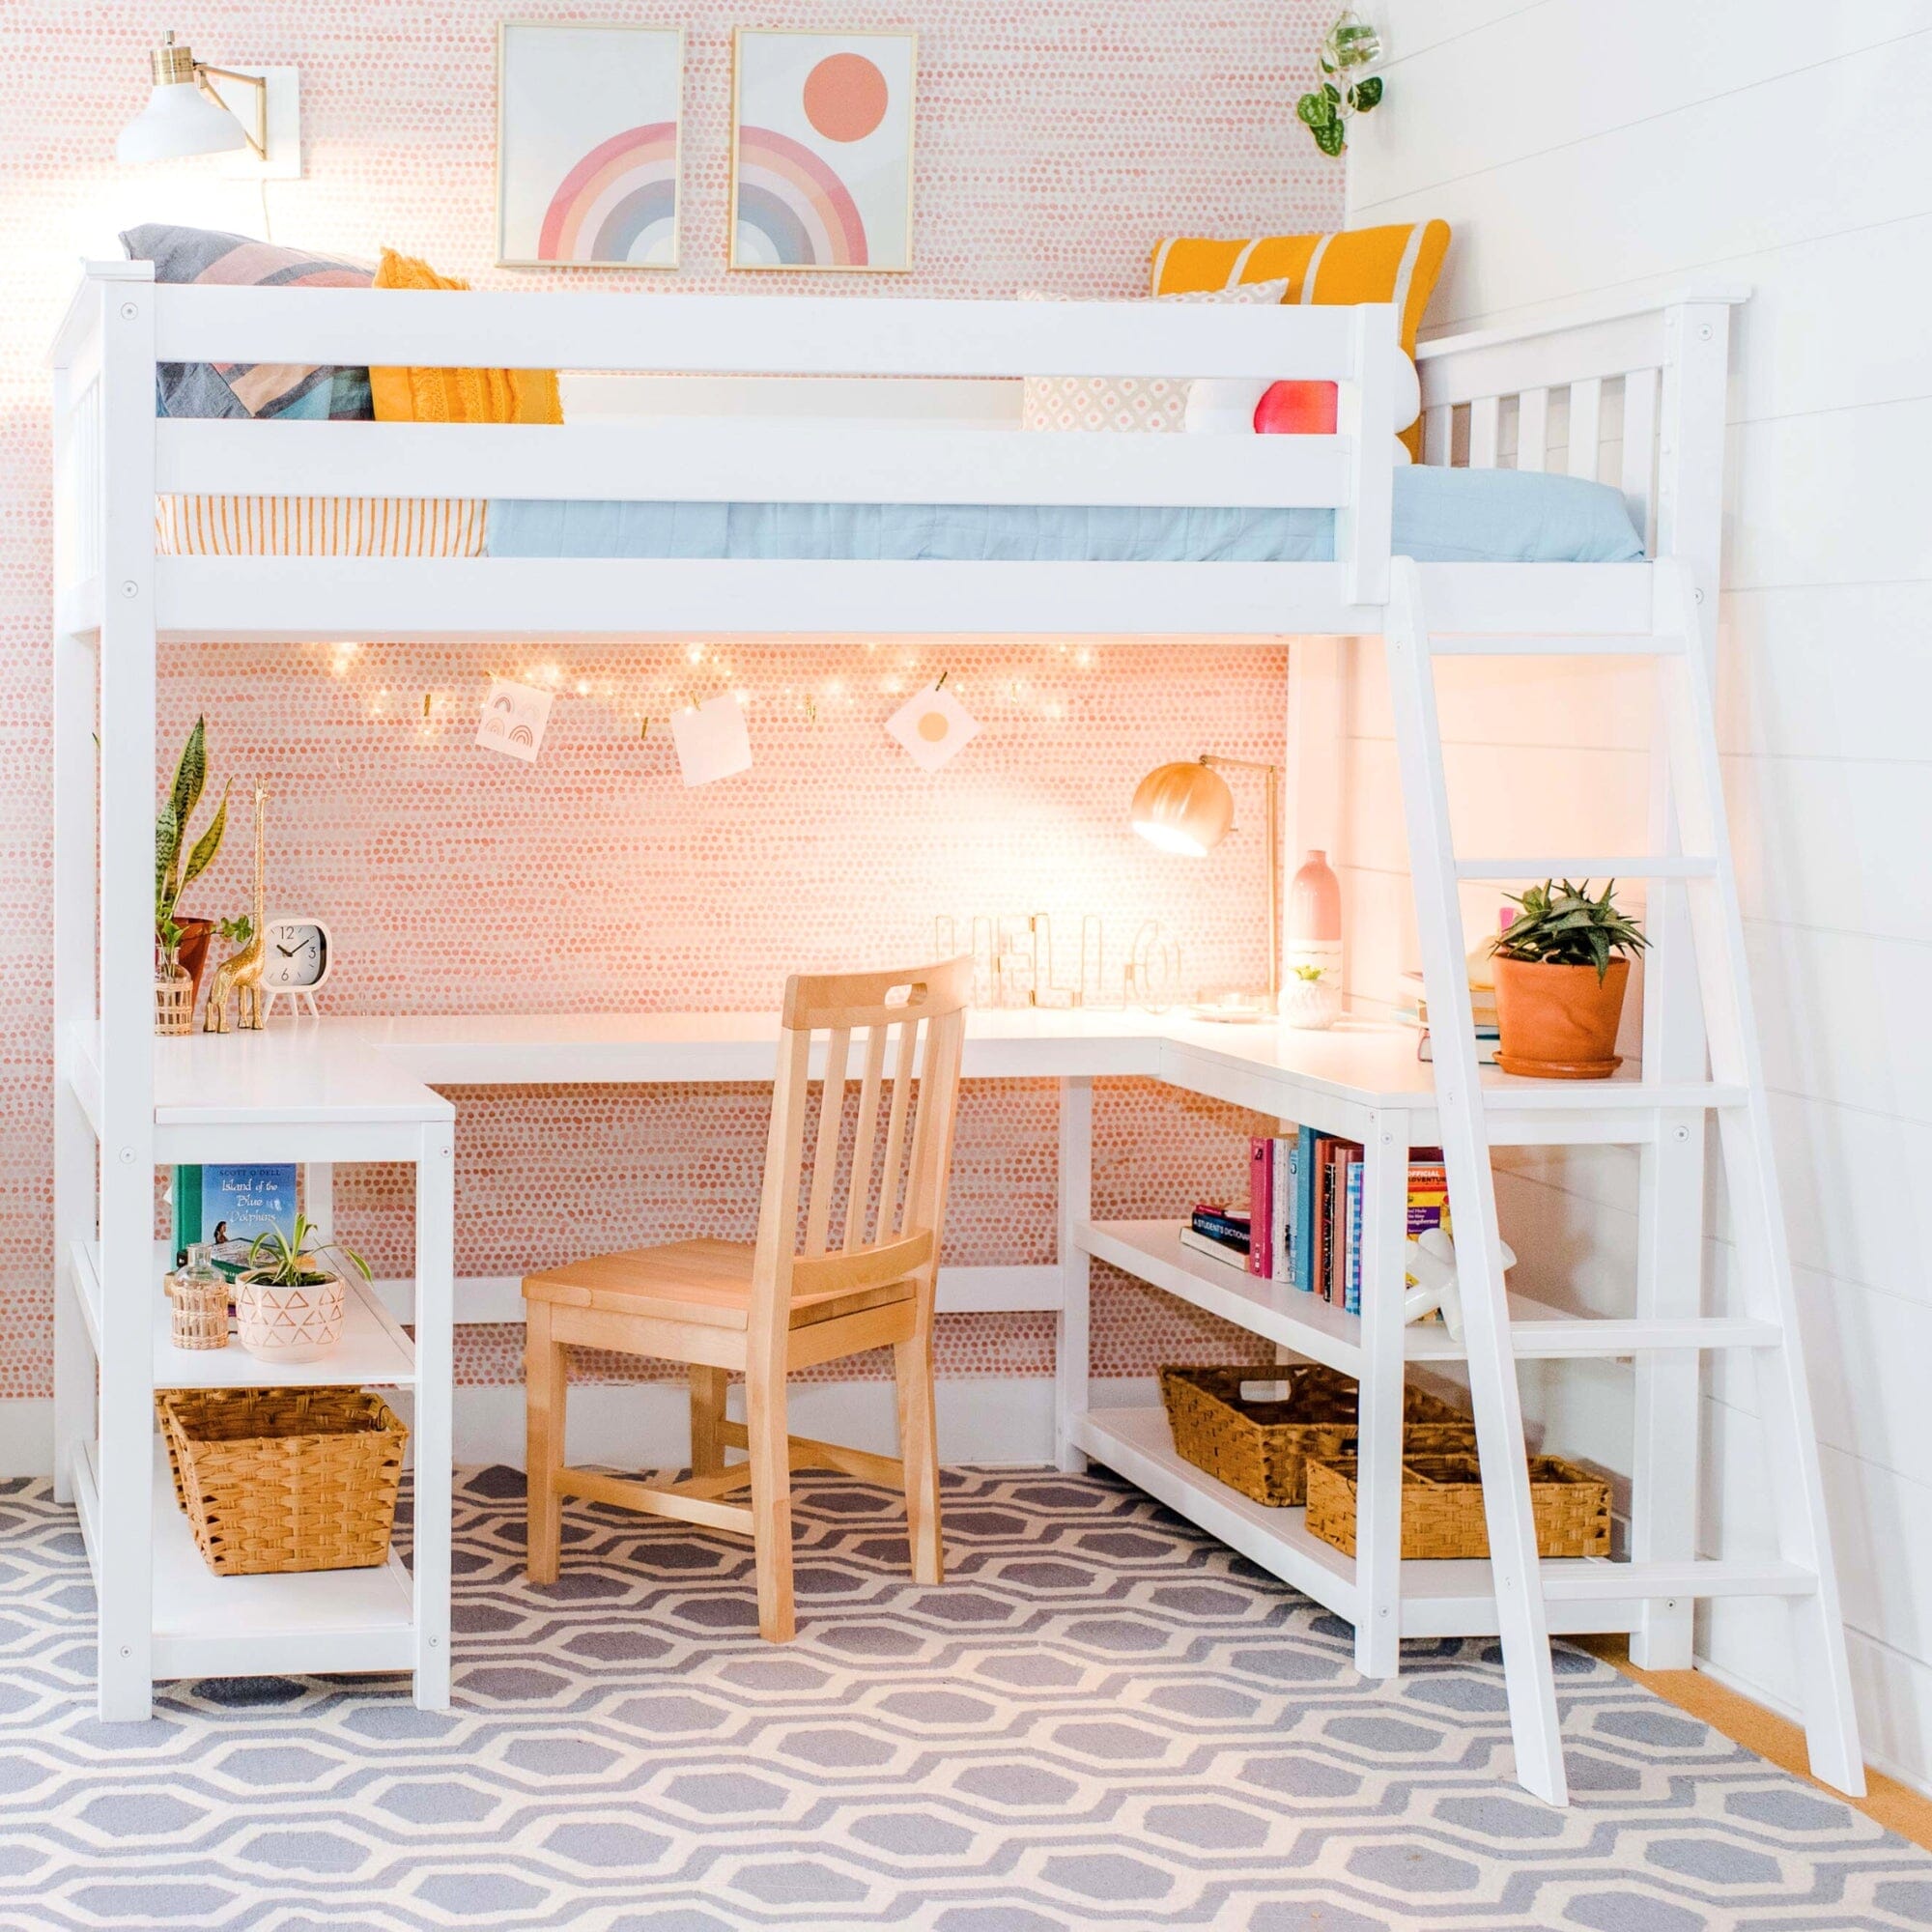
(249, 389)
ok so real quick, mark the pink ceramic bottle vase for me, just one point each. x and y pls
(1312, 965)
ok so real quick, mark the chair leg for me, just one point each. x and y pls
(545, 1389)
(707, 1419)
(771, 1502)
(918, 1450)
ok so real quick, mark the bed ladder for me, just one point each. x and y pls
(1691, 860)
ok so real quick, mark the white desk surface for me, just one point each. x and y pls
(376, 1068)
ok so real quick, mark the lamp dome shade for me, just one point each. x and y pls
(1183, 808)
(179, 120)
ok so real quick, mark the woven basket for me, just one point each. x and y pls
(1443, 1507)
(276, 1480)
(1260, 1447)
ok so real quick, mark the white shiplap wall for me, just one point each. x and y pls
(1579, 147)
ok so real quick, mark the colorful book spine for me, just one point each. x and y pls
(1307, 1152)
(1227, 1229)
(1281, 1212)
(1224, 1252)
(1325, 1225)
(1352, 1303)
(1261, 1215)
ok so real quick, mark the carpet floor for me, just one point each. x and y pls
(1104, 1718)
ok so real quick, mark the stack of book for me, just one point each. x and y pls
(1303, 1222)
(1412, 1009)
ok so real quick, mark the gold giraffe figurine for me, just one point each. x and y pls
(241, 973)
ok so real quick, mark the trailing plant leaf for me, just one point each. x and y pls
(238, 931)
(1317, 110)
(1365, 94)
(1331, 138)
(208, 844)
(1563, 926)
(287, 1252)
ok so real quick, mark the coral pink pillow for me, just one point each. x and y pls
(1296, 408)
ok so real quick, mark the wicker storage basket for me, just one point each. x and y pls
(284, 1479)
(1258, 1447)
(1443, 1507)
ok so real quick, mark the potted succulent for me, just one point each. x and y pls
(181, 945)
(288, 1301)
(1310, 999)
(1562, 966)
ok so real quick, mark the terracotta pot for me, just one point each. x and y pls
(193, 951)
(288, 1325)
(1559, 1022)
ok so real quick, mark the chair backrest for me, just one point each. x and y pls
(884, 1157)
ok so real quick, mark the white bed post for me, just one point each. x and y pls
(75, 771)
(1365, 413)
(1382, 1397)
(1072, 1361)
(126, 999)
(435, 1396)
(1664, 1475)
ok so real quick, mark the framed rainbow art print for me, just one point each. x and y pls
(588, 121)
(821, 150)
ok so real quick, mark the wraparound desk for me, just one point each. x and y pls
(361, 1088)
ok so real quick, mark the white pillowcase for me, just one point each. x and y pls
(1158, 403)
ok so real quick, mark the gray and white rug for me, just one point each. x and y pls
(1102, 1719)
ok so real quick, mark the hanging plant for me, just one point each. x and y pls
(1350, 51)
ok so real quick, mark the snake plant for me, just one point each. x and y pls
(173, 874)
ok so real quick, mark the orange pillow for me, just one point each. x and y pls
(456, 395)
(1397, 263)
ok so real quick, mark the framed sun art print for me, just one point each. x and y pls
(821, 150)
(588, 123)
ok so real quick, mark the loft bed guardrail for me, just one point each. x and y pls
(1595, 389)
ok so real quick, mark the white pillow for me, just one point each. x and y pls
(1126, 402)
(1225, 405)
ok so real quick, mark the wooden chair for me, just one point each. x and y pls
(788, 1299)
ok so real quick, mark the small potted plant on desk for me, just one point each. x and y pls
(288, 1302)
(1562, 966)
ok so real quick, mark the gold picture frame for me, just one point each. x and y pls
(651, 162)
(790, 155)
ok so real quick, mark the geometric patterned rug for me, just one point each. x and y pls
(1103, 1718)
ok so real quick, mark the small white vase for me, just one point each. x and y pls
(1311, 1004)
(287, 1324)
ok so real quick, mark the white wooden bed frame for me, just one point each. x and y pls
(1636, 388)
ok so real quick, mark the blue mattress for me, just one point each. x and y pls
(1440, 516)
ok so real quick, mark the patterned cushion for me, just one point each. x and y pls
(249, 389)
(1397, 263)
(456, 395)
(1124, 402)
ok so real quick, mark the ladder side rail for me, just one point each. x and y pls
(1670, 1213)
(1379, 1415)
(1788, 1432)
(127, 667)
(1522, 1617)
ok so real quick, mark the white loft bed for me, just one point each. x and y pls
(1637, 387)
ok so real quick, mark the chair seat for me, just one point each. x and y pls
(701, 1281)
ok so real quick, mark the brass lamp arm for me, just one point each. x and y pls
(259, 139)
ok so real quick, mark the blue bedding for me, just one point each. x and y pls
(1440, 516)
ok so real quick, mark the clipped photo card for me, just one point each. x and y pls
(515, 717)
(933, 726)
(711, 740)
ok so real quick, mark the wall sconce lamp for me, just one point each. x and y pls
(188, 115)
(1188, 809)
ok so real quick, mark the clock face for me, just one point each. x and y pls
(296, 955)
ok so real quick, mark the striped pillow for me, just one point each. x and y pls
(1124, 402)
(202, 255)
(1397, 263)
(320, 525)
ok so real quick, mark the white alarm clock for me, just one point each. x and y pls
(296, 958)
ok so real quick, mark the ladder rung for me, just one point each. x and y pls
(1698, 866)
(1605, 644)
(1712, 1577)
(1555, 1340)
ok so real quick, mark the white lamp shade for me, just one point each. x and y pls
(179, 120)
